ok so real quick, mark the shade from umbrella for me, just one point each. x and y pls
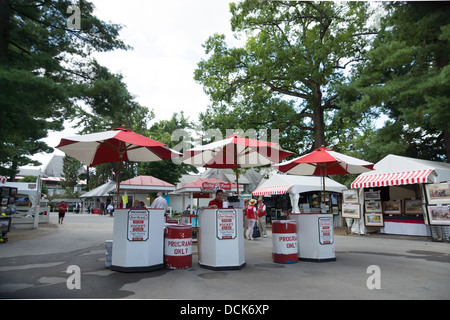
(115, 145)
(235, 152)
(324, 162)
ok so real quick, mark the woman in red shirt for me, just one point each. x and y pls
(250, 213)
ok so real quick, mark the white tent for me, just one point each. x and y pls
(396, 170)
(293, 185)
(279, 184)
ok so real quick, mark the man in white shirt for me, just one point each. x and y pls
(159, 202)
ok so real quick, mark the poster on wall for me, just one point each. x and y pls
(138, 220)
(226, 224)
(350, 196)
(438, 193)
(350, 210)
(326, 234)
(374, 219)
(439, 215)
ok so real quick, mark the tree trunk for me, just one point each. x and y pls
(318, 119)
(5, 11)
(319, 128)
(446, 133)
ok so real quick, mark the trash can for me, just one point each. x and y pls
(178, 246)
(284, 241)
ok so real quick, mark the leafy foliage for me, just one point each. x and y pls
(286, 75)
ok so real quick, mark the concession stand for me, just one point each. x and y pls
(138, 239)
(305, 195)
(403, 196)
(221, 231)
(315, 229)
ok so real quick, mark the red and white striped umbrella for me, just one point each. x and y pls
(324, 162)
(115, 145)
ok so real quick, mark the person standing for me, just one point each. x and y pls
(110, 209)
(250, 213)
(262, 217)
(102, 208)
(246, 200)
(159, 202)
(62, 208)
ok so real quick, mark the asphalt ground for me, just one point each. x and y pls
(35, 264)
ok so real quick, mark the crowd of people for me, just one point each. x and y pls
(158, 203)
(254, 211)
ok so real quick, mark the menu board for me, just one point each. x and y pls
(226, 224)
(138, 220)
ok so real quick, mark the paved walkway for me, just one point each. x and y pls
(34, 264)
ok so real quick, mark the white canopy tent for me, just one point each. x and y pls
(294, 185)
(393, 171)
(397, 170)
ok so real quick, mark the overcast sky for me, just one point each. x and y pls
(167, 38)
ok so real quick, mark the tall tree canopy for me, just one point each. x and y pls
(286, 75)
(407, 77)
(163, 131)
(45, 68)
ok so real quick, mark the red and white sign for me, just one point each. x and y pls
(226, 224)
(326, 234)
(216, 185)
(138, 220)
(178, 246)
(285, 243)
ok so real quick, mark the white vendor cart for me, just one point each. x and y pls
(221, 239)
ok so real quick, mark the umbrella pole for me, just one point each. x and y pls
(237, 173)
(322, 169)
(118, 182)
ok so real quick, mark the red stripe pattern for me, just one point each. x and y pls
(391, 179)
(271, 190)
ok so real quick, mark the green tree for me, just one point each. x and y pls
(163, 131)
(287, 74)
(71, 168)
(407, 77)
(43, 67)
(107, 104)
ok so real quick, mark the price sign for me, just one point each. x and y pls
(138, 220)
(326, 234)
(226, 224)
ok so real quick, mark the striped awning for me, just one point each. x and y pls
(391, 179)
(271, 190)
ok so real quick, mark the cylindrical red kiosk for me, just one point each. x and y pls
(178, 246)
(284, 241)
